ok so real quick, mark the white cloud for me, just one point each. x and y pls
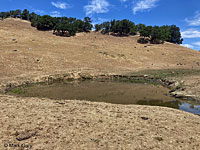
(195, 21)
(61, 5)
(96, 6)
(191, 33)
(197, 44)
(123, 0)
(188, 45)
(99, 20)
(55, 14)
(39, 11)
(143, 5)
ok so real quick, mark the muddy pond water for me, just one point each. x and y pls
(110, 92)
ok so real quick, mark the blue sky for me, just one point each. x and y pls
(183, 13)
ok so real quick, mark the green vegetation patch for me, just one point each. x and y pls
(17, 91)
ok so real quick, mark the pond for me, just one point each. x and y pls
(111, 92)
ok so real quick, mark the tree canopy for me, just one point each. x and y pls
(65, 26)
(156, 34)
(119, 27)
(62, 26)
(160, 34)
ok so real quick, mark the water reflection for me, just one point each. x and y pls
(171, 104)
(192, 107)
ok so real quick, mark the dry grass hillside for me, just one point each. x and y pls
(25, 50)
(44, 124)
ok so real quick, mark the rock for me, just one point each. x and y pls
(191, 97)
(171, 91)
(144, 118)
(184, 95)
(179, 64)
(159, 138)
(15, 50)
(178, 94)
(176, 84)
(24, 135)
(61, 103)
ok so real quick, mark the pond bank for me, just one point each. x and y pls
(167, 78)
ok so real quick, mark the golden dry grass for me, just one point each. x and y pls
(26, 53)
(41, 52)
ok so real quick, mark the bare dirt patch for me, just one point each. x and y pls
(74, 125)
